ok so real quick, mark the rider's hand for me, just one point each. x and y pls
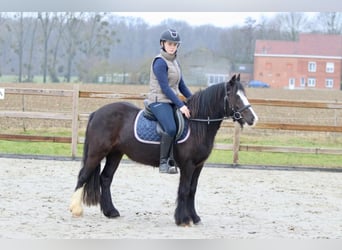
(184, 109)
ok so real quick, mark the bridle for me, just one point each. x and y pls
(234, 114)
(229, 111)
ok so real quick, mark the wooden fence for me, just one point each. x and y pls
(75, 116)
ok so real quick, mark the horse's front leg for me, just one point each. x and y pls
(191, 201)
(182, 214)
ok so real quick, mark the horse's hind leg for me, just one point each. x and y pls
(90, 170)
(112, 163)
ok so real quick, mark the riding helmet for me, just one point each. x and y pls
(170, 35)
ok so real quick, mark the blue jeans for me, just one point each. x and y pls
(164, 114)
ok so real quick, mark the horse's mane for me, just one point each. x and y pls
(206, 102)
(209, 103)
(203, 104)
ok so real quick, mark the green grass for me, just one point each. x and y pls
(217, 156)
(277, 159)
(38, 148)
(303, 140)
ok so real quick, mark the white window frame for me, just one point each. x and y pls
(302, 82)
(312, 67)
(216, 78)
(311, 82)
(330, 67)
(329, 83)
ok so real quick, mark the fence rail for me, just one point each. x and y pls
(75, 116)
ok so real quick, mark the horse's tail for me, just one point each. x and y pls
(92, 193)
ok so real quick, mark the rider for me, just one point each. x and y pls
(166, 82)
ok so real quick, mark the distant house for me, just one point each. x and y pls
(314, 61)
(203, 67)
(244, 70)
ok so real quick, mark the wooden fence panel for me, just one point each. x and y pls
(76, 117)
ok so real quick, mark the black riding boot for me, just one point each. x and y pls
(166, 164)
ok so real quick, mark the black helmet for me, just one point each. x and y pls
(170, 35)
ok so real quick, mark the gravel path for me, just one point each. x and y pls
(233, 203)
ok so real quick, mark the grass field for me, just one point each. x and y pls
(250, 136)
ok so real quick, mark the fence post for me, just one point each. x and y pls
(236, 142)
(74, 133)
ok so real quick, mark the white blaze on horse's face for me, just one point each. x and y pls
(246, 103)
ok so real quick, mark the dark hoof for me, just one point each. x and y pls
(184, 223)
(112, 214)
(198, 223)
(196, 220)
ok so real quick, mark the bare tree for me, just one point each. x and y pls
(48, 21)
(292, 23)
(18, 44)
(249, 34)
(59, 29)
(97, 39)
(330, 22)
(2, 21)
(29, 64)
(238, 43)
(71, 40)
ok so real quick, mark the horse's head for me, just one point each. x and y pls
(239, 107)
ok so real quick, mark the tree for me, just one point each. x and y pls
(71, 40)
(18, 45)
(249, 39)
(330, 22)
(48, 21)
(29, 64)
(97, 38)
(292, 23)
(2, 21)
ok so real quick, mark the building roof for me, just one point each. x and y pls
(307, 45)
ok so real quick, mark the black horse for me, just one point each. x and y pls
(110, 135)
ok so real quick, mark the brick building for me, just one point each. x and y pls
(314, 61)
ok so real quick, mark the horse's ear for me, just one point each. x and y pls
(233, 79)
(231, 83)
(238, 77)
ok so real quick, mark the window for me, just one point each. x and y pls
(302, 82)
(329, 68)
(311, 82)
(216, 78)
(329, 83)
(312, 67)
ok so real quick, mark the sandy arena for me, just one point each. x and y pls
(232, 203)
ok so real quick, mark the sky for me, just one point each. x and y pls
(219, 19)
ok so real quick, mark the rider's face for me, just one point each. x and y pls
(170, 47)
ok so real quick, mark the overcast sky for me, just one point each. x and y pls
(219, 19)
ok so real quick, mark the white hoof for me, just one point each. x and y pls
(76, 208)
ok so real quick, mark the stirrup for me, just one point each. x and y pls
(166, 168)
(172, 170)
